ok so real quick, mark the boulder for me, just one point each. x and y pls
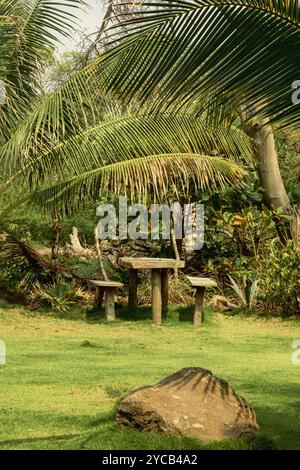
(191, 402)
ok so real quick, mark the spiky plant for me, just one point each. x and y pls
(59, 297)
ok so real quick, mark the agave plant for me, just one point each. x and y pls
(59, 297)
(246, 290)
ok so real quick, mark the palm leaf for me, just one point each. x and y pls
(204, 54)
(138, 135)
(154, 175)
(32, 268)
(66, 111)
(131, 138)
(201, 50)
(140, 146)
(27, 29)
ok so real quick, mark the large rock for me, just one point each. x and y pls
(191, 402)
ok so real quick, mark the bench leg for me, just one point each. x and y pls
(156, 296)
(165, 291)
(98, 298)
(199, 314)
(132, 296)
(110, 304)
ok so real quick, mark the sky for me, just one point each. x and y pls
(88, 22)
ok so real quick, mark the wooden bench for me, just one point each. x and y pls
(107, 290)
(200, 284)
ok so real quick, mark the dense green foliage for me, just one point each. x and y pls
(280, 280)
(289, 153)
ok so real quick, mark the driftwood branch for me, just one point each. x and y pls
(100, 257)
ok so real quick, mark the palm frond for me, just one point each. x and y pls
(66, 111)
(154, 175)
(131, 136)
(139, 152)
(27, 29)
(199, 53)
(191, 51)
(30, 265)
(37, 24)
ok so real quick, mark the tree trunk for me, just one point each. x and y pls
(275, 195)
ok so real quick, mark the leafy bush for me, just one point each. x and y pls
(289, 155)
(280, 280)
(241, 244)
(235, 242)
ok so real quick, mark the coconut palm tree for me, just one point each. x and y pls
(223, 58)
(136, 153)
(71, 138)
(241, 55)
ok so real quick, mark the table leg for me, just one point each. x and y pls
(165, 291)
(110, 304)
(156, 296)
(132, 296)
(98, 298)
(199, 314)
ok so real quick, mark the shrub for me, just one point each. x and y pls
(280, 280)
(59, 297)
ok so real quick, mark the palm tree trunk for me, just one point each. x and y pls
(275, 195)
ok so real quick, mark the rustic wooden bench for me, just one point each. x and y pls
(107, 290)
(200, 284)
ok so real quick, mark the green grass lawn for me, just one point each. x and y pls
(64, 376)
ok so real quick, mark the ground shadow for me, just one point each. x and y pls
(186, 314)
(122, 313)
(143, 313)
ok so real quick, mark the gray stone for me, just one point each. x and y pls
(191, 402)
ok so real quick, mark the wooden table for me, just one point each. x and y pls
(160, 281)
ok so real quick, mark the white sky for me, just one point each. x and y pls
(88, 22)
